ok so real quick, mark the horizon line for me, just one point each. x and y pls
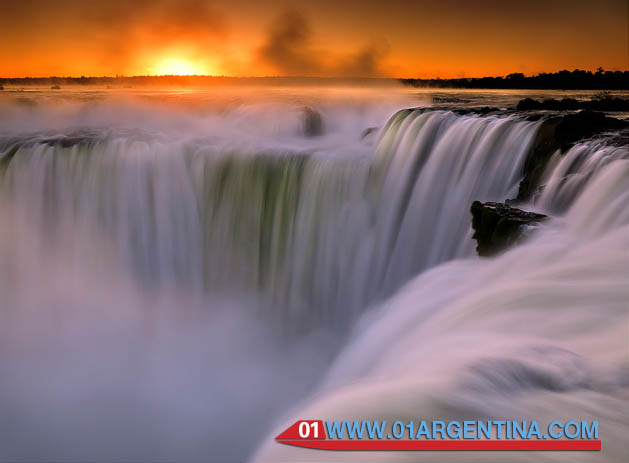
(223, 76)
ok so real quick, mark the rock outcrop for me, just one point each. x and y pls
(368, 131)
(498, 226)
(570, 104)
(561, 132)
(312, 122)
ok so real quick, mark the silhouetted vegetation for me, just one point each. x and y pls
(562, 80)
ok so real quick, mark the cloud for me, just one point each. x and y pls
(288, 49)
(155, 17)
(129, 37)
(112, 34)
(367, 62)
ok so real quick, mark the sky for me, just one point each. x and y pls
(384, 38)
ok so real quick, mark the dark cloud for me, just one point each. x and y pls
(366, 62)
(157, 17)
(288, 49)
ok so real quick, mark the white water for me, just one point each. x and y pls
(318, 235)
(168, 274)
(539, 332)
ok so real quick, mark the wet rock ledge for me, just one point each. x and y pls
(560, 132)
(498, 226)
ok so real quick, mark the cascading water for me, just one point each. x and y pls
(177, 275)
(568, 174)
(538, 333)
(317, 235)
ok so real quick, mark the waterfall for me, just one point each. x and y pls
(567, 174)
(538, 332)
(318, 236)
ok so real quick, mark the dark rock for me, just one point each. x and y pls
(528, 104)
(368, 131)
(498, 226)
(312, 122)
(484, 110)
(570, 104)
(561, 132)
(1, 87)
(585, 124)
(449, 99)
(55, 87)
(542, 148)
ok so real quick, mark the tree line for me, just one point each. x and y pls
(562, 80)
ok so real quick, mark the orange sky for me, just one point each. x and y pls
(412, 38)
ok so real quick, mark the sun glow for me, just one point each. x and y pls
(177, 67)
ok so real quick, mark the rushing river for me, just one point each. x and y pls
(184, 273)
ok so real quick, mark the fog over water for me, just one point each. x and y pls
(183, 274)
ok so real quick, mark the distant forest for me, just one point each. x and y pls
(562, 80)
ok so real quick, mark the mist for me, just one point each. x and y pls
(96, 366)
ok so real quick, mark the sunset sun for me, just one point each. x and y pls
(177, 67)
